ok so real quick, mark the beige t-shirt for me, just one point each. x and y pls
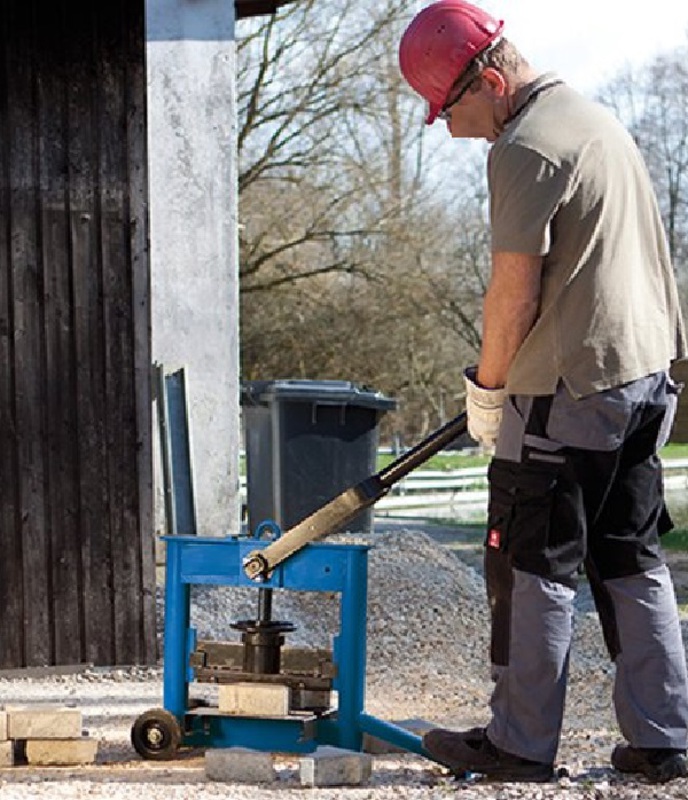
(568, 183)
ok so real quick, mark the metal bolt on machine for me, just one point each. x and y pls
(274, 697)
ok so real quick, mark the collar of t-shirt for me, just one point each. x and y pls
(526, 94)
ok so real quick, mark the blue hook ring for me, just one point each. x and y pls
(268, 526)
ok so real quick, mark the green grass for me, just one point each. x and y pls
(448, 461)
(443, 461)
(676, 539)
(674, 451)
(452, 460)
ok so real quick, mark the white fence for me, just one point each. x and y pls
(462, 493)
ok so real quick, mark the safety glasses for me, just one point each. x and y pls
(446, 112)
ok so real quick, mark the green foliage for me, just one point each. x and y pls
(446, 461)
(676, 539)
(451, 460)
(674, 451)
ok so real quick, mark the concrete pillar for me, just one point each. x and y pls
(193, 230)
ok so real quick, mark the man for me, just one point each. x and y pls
(580, 324)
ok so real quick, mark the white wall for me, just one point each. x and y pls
(193, 230)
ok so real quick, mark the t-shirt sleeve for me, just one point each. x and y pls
(526, 189)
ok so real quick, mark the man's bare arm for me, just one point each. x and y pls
(509, 310)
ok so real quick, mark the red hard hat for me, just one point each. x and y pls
(439, 44)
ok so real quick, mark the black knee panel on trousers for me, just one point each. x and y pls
(536, 516)
(551, 511)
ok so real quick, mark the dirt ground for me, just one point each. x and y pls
(422, 692)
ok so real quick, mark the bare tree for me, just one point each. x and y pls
(310, 89)
(360, 258)
(653, 102)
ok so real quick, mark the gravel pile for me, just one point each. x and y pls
(427, 647)
(424, 604)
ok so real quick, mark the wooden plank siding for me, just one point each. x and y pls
(77, 574)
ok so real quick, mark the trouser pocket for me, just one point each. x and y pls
(536, 517)
(501, 476)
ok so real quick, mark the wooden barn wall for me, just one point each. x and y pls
(76, 552)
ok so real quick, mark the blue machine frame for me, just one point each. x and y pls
(318, 567)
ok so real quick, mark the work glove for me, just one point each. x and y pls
(483, 409)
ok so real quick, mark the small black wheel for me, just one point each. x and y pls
(156, 735)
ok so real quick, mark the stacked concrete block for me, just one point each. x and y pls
(254, 700)
(45, 735)
(333, 766)
(327, 766)
(6, 745)
(61, 752)
(239, 765)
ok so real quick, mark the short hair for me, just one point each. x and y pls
(503, 56)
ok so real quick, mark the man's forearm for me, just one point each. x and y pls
(509, 311)
(504, 329)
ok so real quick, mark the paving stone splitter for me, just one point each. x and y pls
(260, 667)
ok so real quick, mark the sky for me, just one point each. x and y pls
(589, 41)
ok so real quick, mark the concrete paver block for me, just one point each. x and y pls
(254, 700)
(6, 754)
(3, 726)
(377, 747)
(333, 766)
(239, 765)
(43, 722)
(61, 752)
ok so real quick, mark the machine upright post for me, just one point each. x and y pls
(175, 686)
(351, 649)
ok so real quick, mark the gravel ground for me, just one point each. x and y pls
(427, 643)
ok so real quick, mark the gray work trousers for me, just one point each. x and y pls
(577, 484)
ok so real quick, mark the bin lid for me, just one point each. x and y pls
(326, 392)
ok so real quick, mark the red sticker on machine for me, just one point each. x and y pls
(494, 537)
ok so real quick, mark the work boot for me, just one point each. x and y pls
(472, 751)
(657, 764)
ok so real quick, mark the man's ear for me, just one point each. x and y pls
(495, 80)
